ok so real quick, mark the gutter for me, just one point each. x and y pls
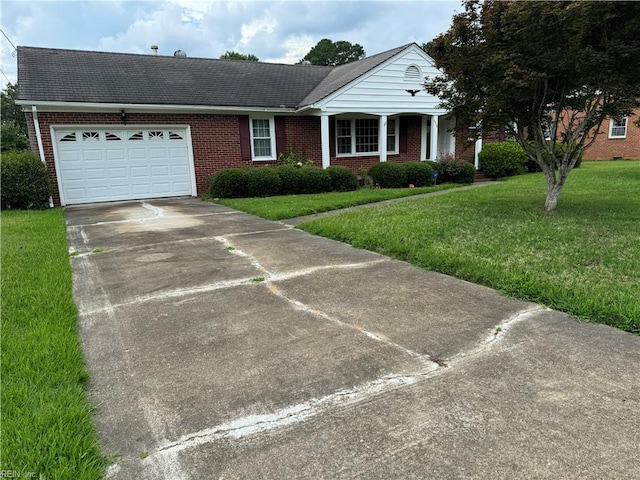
(36, 124)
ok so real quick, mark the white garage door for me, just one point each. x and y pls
(104, 164)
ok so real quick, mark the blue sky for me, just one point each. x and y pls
(274, 31)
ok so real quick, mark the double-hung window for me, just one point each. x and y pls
(262, 139)
(360, 136)
(618, 128)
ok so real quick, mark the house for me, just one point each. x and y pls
(114, 126)
(618, 138)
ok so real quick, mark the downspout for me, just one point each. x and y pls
(36, 124)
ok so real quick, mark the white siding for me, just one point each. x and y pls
(383, 90)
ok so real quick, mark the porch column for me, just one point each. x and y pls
(324, 140)
(434, 137)
(382, 138)
(478, 149)
(423, 138)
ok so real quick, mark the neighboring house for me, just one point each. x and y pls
(113, 126)
(618, 138)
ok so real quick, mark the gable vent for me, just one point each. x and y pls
(412, 73)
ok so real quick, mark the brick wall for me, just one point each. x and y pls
(215, 140)
(465, 149)
(605, 148)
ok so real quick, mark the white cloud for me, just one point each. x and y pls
(295, 47)
(249, 31)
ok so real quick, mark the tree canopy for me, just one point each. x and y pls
(231, 55)
(331, 53)
(540, 68)
(13, 124)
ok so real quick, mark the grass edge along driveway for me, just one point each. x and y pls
(583, 259)
(47, 429)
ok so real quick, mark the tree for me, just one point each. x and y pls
(331, 53)
(9, 111)
(231, 55)
(12, 138)
(541, 69)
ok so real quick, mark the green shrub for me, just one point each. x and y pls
(314, 180)
(291, 178)
(389, 175)
(24, 180)
(419, 174)
(342, 179)
(263, 182)
(456, 171)
(230, 183)
(503, 159)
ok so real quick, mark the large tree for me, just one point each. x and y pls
(331, 53)
(9, 111)
(231, 55)
(541, 69)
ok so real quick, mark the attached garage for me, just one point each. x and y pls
(102, 163)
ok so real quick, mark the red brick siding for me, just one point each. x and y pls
(466, 150)
(605, 148)
(215, 140)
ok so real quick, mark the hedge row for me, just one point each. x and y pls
(282, 180)
(24, 180)
(505, 159)
(421, 174)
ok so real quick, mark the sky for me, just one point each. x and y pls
(281, 32)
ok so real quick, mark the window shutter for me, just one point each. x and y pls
(402, 141)
(281, 135)
(332, 136)
(245, 137)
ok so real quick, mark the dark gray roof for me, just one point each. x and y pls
(54, 75)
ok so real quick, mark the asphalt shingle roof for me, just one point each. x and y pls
(54, 75)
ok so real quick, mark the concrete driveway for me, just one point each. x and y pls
(222, 345)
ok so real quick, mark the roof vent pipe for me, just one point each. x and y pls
(154, 49)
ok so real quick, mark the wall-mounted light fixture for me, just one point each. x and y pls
(123, 117)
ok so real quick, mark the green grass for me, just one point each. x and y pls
(46, 427)
(290, 206)
(583, 259)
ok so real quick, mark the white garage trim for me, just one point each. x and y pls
(126, 184)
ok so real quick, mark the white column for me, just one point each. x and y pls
(423, 138)
(324, 140)
(382, 138)
(434, 137)
(478, 149)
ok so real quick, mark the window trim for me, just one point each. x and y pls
(353, 152)
(611, 127)
(272, 135)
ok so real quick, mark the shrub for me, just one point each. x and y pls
(291, 178)
(503, 159)
(389, 175)
(292, 159)
(420, 174)
(229, 183)
(342, 179)
(314, 180)
(456, 171)
(24, 180)
(263, 182)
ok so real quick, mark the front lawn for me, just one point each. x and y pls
(46, 428)
(290, 206)
(583, 259)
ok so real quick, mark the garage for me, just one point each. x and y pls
(102, 164)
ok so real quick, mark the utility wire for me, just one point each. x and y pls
(13, 54)
(5, 76)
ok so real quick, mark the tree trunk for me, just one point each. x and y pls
(554, 187)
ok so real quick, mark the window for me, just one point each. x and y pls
(359, 136)
(111, 136)
(156, 135)
(618, 128)
(136, 136)
(90, 137)
(69, 137)
(175, 136)
(262, 139)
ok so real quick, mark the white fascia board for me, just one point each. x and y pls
(411, 48)
(45, 106)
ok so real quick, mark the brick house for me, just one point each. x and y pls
(113, 126)
(618, 138)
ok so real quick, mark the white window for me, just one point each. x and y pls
(618, 128)
(262, 139)
(359, 136)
